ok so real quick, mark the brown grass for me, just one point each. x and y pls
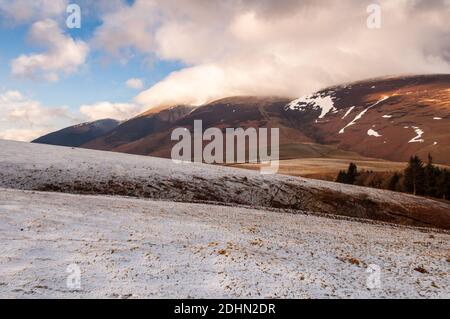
(328, 168)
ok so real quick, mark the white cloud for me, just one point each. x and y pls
(26, 11)
(276, 47)
(135, 83)
(15, 12)
(103, 110)
(64, 55)
(192, 86)
(24, 119)
(128, 28)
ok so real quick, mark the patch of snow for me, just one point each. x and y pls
(387, 116)
(360, 115)
(435, 143)
(437, 118)
(417, 139)
(323, 102)
(348, 112)
(371, 132)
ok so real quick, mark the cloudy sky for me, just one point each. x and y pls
(129, 56)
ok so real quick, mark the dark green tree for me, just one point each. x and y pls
(348, 177)
(414, 176)
(443, 184)
(394, 181)
(430, 173)
(342, 177)
(352, 173)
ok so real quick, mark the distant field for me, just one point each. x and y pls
(328, 168)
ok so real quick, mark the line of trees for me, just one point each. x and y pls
(418, 178)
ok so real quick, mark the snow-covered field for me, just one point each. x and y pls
(136, 248)
(268, 238)
(71, 170)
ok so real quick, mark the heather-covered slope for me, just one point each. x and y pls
(78, 134)
(387, 118)
(138, 128)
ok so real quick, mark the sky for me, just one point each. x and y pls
(129, 56)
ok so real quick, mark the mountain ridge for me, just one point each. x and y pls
(388, 118)
(78, 134)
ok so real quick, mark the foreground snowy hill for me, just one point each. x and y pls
(130, 248)
(70, 170)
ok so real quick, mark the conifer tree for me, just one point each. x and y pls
(430, 172)
(348, 177)
(352, 173)
(394, 181)
(342, 177)
(414, 176)
(443, 184)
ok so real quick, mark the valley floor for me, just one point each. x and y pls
(328, 168)
(131, 248)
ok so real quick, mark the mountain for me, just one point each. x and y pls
(244, 111)
(147, 124)
(388, 118)
(78, 134)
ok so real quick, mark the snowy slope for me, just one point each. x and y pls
(131, 248)
(386, 105)
(64, 169)
(324, 102)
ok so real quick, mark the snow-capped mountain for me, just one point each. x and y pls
(388, 118)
